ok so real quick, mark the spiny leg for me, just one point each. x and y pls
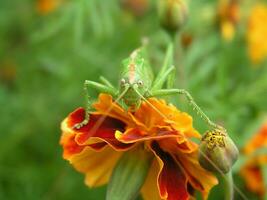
(101, 88)
(87, 108)
(166, 92)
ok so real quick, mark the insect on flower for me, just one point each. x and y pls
(119, 120)
(137, 84)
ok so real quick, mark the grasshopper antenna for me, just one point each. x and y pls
(201, 152)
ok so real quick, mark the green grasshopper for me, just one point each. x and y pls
(137, 84)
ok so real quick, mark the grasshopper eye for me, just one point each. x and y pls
(123, 81)
(140, 83)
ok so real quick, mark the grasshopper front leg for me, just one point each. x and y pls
(88, 104)
(166, 92)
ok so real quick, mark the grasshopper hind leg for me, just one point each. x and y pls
(99, 87)
(87, 109)
(86, 117)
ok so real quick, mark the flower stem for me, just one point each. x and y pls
(228, 185)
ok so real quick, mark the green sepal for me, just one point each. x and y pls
(129, 175)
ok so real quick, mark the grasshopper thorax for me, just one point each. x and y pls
(134, 82)
(133, 92)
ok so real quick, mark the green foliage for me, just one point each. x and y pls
(44, 60)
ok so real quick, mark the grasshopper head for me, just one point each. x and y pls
(135, 88)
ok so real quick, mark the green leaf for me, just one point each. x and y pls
(129, 175)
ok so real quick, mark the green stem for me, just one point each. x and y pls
(229, 186)
(171, 78)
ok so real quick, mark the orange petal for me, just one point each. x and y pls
(199, 178)
(253, 178)
(136, 135)
(107, 107)
(162, 114)
(47, 6)
(71, 147)
(149, 190)
(94, 132)
(259, 140)
(173, 146)
(172, 182)
(97, 166)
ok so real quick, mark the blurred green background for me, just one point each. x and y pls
(46, 53)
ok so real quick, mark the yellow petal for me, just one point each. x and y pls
(97, 166)
(228, 30)
(149, 190)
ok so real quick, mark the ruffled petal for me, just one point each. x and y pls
(107, 107)
(136, 135)
(199, 178)
(162, 114)
(149, 190)
(70, 146)
(172, 182)
(99, 129)
(173, 146)
(97, 166)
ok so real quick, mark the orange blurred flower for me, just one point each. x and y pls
(46, 6)
(256, 33)
(252, 170)
(174, 172)
(229, 15)
(136, 7)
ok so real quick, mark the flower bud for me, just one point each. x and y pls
(172, 14)
(218, 152)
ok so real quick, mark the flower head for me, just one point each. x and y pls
(160, 129)
(252, 170)
(256, 33)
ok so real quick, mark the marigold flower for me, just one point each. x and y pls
(252, 170)
(256, 33)
(174, 172)
(229, 16)
(47, 6)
